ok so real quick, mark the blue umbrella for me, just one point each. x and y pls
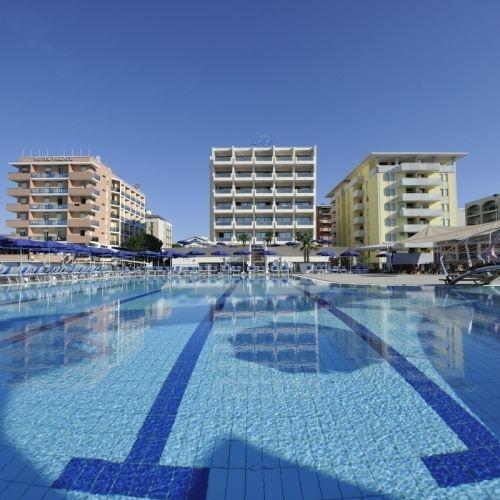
(220, 253)
(326, 253)
(172, 254)
(350, 253)
(269, 252)
(221, 243)
(195, 253)
(322, 242)
(124, 254)
(5, 240)
(292, 243)
(242, 252)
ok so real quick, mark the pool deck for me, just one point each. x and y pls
(381, 279)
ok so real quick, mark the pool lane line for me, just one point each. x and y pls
(481, 461)
(69, 318)
(141, 474)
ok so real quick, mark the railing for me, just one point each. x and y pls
(243, 191)
(263, 222)
(263, 206)
(304, 158)
(243, 175)
(222, 158)
(243, 222)
(263, 158)
(223, 191)
(284, 206)
(223, 222)
(284, 190)
(223, 206)
(49, 190)
(303, 222)
(282, 221)
(267, 175)
(242, 158)
(304, 191)
(47, 206)
(264, 190)
(49, 175)
(244, 207)
(304, 174)
(284, 174)
(48, 222)
(223, 175)
(284, 158)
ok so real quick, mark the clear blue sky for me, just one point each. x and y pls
(151, 86)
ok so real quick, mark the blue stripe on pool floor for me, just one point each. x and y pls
(482, 460)
(141, 475)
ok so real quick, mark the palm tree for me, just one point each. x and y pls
(268, 237)
(307, 242)
(243, 237)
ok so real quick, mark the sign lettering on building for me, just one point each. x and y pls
(52, 158)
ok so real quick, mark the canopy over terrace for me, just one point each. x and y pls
(438, 234)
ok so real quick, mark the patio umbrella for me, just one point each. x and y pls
(350, 253)
(292, 243)
(172, 254)
(322, 242)
(242, 252)
(194, 253)
(326, 253)
(220, 253)
(269, 252)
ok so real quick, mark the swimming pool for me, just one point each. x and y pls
(253, 388)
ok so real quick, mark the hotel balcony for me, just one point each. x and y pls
(358, 193)
(359, 233)
(223, 159)
(85, 176)
(411, 228)
(304, 175)
(355, 181)
(18, 223)
(263, 159)
(304, 158)
(420, 181)
(284, 176)
(78, 222)
(48, 222)
(420, 212)
(260, 192)
(283, 192)
(18, 207)
(421, 167)
(224, 208)
(264, 209)
(222, 177)
(223, 225)
(17, 192)
(243, 158)
(41, 176)
(358, 220)
(83, 207)
(284, 158)
(243, 193)
(304, 224)
(49, 191)
(420, 197)
(299, 208)
(83, 191)
(44, 207)
(358, 207)
(243, 176)
(263, 176)
(304, 192)
(19, 176)
(244, 210)
(285, 209)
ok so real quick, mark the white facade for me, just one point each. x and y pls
(159, 227)
(483, 210)
(262, 190)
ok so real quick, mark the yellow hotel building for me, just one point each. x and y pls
(388, 197)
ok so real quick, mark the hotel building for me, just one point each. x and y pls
(262, 191)
(482, 210)
(76, 199)
(389, 197)
(159, 227)
(324, 223)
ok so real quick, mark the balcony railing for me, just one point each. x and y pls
(47, 190)
(48, 222)
(49, 175)
(284, 158)
(286, 175)
(304, 174)
(47, 206)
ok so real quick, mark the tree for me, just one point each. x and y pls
(243, 237)
(306, 244)
(143, 241)
(268, 237)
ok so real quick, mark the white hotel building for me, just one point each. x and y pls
(262, 190)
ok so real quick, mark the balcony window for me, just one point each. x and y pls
(284, 236)
(283, 189)
(264, 206)
(263, 221)
(243, 205)
(223, 206)
(243, 175)
(284, 174)
(223, 221)
(304, 220)
(304, 204)
(264, 190)
(284, 205)
(243, 190)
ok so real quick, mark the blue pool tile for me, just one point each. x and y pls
(291, 483)
(217, 480)
(254, 484)
(309, 483)
(13, 491)
(329, 486)
(235, 488)
(273, 489)
(34, 493)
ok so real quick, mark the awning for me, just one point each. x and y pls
(436, 234)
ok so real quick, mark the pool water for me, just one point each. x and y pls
(249, 389)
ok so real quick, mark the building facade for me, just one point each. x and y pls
(388, 197)
(261, 193)
(324, 223)
(76, 199)
(159, 227)
(483, 210)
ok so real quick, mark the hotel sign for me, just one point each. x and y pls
(52, 158)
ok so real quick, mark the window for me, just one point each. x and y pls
(82, 232)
